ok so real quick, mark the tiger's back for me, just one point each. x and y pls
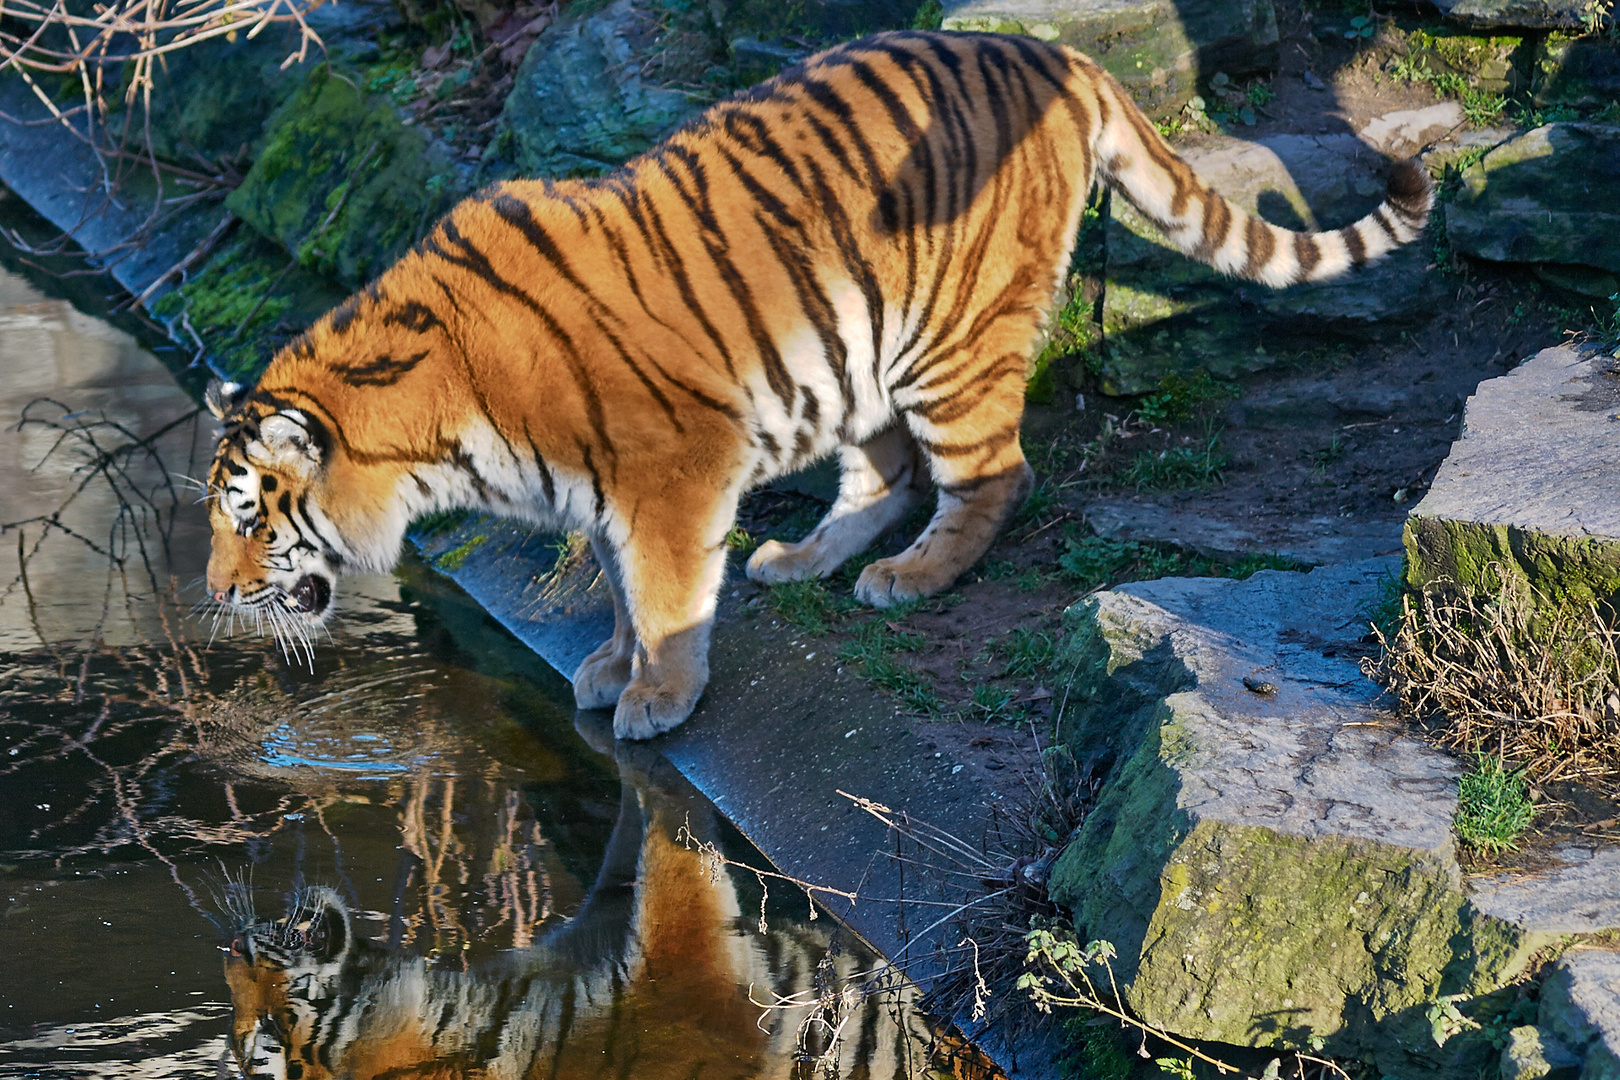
(856, 256)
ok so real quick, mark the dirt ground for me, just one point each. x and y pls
(1344, 434)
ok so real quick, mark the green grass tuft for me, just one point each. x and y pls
(809, 605)
(1025, 652)
(1177, 468)
(871, 652)
(1493, 806)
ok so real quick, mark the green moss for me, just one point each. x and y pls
(1563, 569)
(452, 560)
(341, 182)
(230, 305)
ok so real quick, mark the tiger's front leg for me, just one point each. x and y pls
(671, 567)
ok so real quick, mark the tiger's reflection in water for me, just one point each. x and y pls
(651, 978)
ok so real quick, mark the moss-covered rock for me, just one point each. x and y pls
(1165, 313)
(1272, 865)
(1499, 64)
(1158, 49)
(1577, 70)
(1549, 195)
(342, 182)
(1529, 487)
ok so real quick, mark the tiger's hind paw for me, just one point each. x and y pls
(645, 710)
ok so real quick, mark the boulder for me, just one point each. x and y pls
(1549, 195)
(1164, 312)
(1533, 1054)
(1530, 485)
(1270, 856)
(1580, 1006)
(342, 182)
(1159, 50)
(1575, 69)
(579, 105)
(1516, 14)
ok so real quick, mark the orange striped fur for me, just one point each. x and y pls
(856, 256)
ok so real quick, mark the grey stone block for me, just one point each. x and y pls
(1531, 484)
(1533, 1054)
(1580, 1005)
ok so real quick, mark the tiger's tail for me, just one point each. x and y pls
(1135, 160)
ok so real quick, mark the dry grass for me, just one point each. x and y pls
(1507, 671)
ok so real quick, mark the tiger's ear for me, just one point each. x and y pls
(285, 442)
(221, 397)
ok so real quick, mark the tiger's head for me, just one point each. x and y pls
(275, 554)
(283, 975)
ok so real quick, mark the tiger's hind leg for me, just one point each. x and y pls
(602, 676)
(969, 431)
(882, 480)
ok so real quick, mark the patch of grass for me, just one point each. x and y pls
(739, 541)
(809, 605)
(1025, 652)
(1533, 677)
(1251, 564)
(992, 704)
(1493, 806)
(1030, 580)
(1480, 107)
(1177, 468)
(871, 652)
(930, 15)
(1037, 508)
(1180, 397)
(451, 560)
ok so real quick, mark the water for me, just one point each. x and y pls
(507, 885)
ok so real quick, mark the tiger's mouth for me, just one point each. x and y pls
(310, 595)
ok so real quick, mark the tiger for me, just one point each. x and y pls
(855, 257)
(660, 973)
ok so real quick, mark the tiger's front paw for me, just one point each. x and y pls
(601, 677)
(894, 581)
(647, 709)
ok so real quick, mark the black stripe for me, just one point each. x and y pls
(413, 315)
(1352, 241)
(383, 371)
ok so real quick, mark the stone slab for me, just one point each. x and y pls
(1580, 897)
(1580, 1005)
(1550, 195)
(1532, 483)
(1159, 49)
(1515, 14)
(1317, 542)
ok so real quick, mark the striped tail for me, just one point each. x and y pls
(1136, 161)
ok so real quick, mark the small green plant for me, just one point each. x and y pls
(1177, 468)
(1493, 806)
(1362, 27)
(739, 541)
(930, 15)
(1025, 652)
(871, 652)
(992, 704)
(809, 605)
(1181, 397)
(1094, 562)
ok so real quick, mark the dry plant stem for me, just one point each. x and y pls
(1509, 672)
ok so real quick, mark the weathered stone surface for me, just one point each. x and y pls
(1525, 14)
(1577, 70)
(1163, 312)
(1272, 860)
(342, 183)
(1580, 1005)
(1531, 484)
(1489, 62)
(1581, 896)
(1550, 195)
(1158, 49)
(579, 106)
(1320, 541)
(1533, 1054)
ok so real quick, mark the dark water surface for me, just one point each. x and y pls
(506, 887)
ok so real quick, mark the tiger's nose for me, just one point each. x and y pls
(220, 595)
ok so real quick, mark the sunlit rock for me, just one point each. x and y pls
(1159, 50)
